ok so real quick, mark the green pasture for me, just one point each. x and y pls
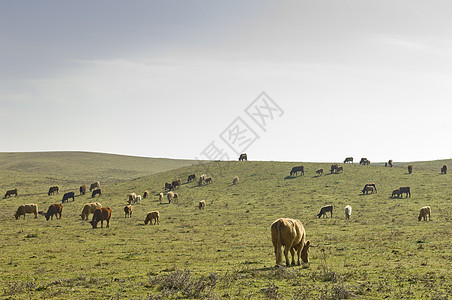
(225, 250)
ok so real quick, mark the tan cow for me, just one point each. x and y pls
(290, 233)
(319, 172)
(170, 196)
(235, 180)
(128, 211)
(132, 197)
(202, 204)
(27, 209)
(145, 194)
(152, 216)
(94, 185)
(101, 214)
(89, 208)
(161, 197)
(424, 212)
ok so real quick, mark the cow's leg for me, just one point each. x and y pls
(292, 252)
(108, 223)
(101, 223)
(286, 255)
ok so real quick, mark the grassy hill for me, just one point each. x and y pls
(225, 251)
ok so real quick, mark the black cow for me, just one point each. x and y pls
(295, 170)
(96, 192)
(67, 196)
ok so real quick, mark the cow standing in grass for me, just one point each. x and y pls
(348, 160)
(424, 213)
(291, 234)
(326, 209)
(100, 215)
(444, 169)
(10, 193)
(410, 168)
(27, 209)
(54, 210)
(295, 170)
(68, 196)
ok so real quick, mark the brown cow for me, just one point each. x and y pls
(176, 183)
(10, 193)
(290, 233)
(152, 216)
(89, 208)
(132, 197)
(53, 189)
(324, 210)
(319, 172)
(367, 189)
(333, 168)
(128, 211)
(54, 209)
(340, 169)
(371, 184)
(145, 194)
(208, 180)
(94, 185)
(202, 204)
(243, 156)
(82, 189)
(424, 212)
(27, 209)
(410, 168)
(101, 214)
(168, 186)
(444, 169)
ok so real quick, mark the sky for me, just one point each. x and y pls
(280, 80)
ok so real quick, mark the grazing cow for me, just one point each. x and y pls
(67, 196)
(348, 212)
(444, 169)
(152, 216)
(176, 198)
(94, 185)
(348, 160)
(410, 168)
(128, 211)
(208, 180)
(367, 189)
(340, 169)
(137, 199)
(168, 186)
(145, 194)
(297, 169)
(324, 210)
(333, 168)
(202, 204)
(363, 161)
(170, 196)
(161, 197)
(390, 163)
(290, 233)
(405, 190)
(424, 212)
(235, 180)
(371, 184)
(89, 208)
(96, 192)
(27, 209)
(54, 209)
(82, 189)
(132, 197)
(319, 172)
(53, 189)
(202, 178)
(191, 178)
(10, 193)
(176, 183)
(395, 193)
(101, 214)
(243, 156)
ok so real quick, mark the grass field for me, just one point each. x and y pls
(225, 251)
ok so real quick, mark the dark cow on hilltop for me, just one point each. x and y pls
(348, 160)
(410, 168)
(101, 214)
(243, 156)
(291, 234)
(364, 161)
(54, 210)
(68, 196)
(444, 169)
(191, 178)
(297, 169)
(10, 193)
(390, 163)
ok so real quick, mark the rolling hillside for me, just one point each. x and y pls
(225, 250)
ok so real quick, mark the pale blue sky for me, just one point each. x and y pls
(166, 78)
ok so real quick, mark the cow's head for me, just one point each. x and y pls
(305, 252)
(94, 223)
(47, 215)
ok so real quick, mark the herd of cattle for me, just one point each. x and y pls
(289, 233)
